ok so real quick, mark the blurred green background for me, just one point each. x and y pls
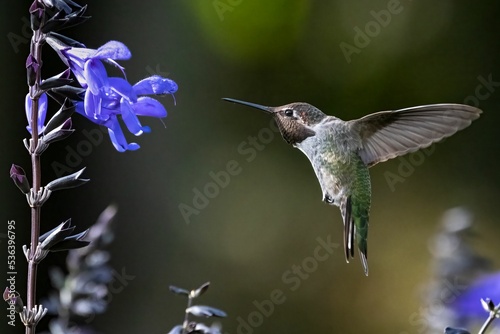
(270, 215)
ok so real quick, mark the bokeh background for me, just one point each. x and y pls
(269, 216)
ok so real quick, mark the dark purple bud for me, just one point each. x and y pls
(72, 242)
(13, 298)
(60, 117)
(60, 238)
(36, 13)
(59, 133)
(18, 175)
(59, 80)
(31, 68)
(66, 41)
(67, 92)
(67, 125)
(58, 233)
(67, 182)
(62, 20)
(6, 294)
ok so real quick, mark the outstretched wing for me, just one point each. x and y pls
(388, 134)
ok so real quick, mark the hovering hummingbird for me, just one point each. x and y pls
(342, 151)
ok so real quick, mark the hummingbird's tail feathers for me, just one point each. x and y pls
(364, 261)
(361, 226)
(346, 208)
(387, 134)
(355, 216)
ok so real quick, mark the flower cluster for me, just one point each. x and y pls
(108, 98)
(102, 99)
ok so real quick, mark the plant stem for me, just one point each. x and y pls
(186, 316)
(36, 52)
(488, 322)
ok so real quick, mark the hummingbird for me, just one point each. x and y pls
(342, 151)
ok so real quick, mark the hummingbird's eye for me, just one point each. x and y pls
(289, 112)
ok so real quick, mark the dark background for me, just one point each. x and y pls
(269, 216)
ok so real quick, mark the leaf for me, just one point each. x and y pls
(205, 311)
(178, 291)
(201, 290)
(60, 116)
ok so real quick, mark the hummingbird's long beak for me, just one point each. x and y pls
(249, 104)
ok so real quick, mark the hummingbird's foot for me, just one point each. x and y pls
(328, 199)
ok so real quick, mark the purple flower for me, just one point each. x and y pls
(118, 98)
(109, 98)
(468, 305)
(86, 64)
(42, 112)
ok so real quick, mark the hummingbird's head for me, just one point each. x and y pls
(296, 121)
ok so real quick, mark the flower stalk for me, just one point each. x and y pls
(106, 101)
(36, 52)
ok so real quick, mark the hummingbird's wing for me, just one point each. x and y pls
(388, 134)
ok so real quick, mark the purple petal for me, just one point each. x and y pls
(118, 138)
(113, 50)
(147, 106)
(42, 112)
(76, 65)
(131, 121)
(95, 75)
(79, 54)
(79, 108)
(155, 85)
(123, 88)
(92, 105)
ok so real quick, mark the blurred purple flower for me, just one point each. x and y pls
(106, 98)
(42, 112)
(468, 306)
